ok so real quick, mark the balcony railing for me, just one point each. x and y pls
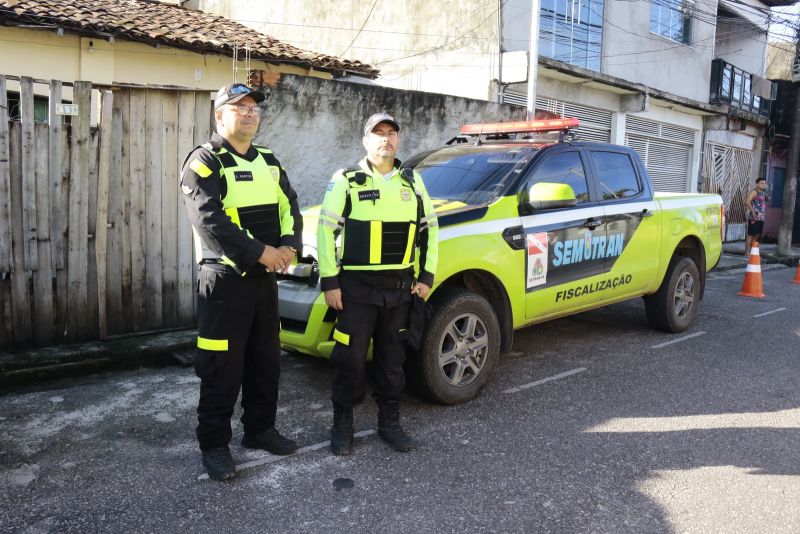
(736, 87)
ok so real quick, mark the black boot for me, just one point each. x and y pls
(219, 463)
(389, 428)
(342, 431)
(269, 440)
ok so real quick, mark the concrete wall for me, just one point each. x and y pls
(447, 46)
(632, 52)
(315, 126)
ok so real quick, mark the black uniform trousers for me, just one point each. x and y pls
(375, 307)
(243, 311)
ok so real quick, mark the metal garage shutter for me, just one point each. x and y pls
(595, 122)
(665, 149)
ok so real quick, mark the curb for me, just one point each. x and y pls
(65, 361)
(767, 258)
(789, 261)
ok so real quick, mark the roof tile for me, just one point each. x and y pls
(148, 21)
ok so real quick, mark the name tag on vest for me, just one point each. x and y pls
(243, 176)
(371, 194)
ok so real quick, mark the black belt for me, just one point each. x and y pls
(381, 282)
(217, 265)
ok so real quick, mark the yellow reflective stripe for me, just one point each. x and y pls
(227, 261)
(212, 344)
(375, 241)
(410, 245)
(329, 224)
(341, 337)
(233, 213)
(200, 168)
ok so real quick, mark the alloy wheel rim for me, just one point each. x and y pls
(684, 295)
(463, 349)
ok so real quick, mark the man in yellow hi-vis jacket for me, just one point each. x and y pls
(385, 217)
(247, 226)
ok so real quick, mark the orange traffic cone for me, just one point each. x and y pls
(797, 274)
(751, 285)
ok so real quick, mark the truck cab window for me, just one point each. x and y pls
(564, 168)
(616, 175)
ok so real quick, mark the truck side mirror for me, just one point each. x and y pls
(546, 196)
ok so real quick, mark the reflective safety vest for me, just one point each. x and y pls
(250, 196)
(379, 233)
(379, 220)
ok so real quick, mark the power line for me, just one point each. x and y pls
(434, 49)
(359, 31)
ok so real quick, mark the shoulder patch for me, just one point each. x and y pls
(200, 168)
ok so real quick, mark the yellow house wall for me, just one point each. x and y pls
(45, 55)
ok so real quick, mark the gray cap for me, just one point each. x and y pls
(233, 92)
(378, 118)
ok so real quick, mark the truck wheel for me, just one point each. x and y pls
(460, 347)
(673, 307)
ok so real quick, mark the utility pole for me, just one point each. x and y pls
(533, 59)
(790, 182)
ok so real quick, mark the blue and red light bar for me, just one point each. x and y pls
(549, 125)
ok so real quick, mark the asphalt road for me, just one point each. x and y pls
(635, 431)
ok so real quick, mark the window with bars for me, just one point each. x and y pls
(672, 19)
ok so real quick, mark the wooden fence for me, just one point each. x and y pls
(94, 239)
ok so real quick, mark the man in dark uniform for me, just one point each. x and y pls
(247, 226)
(384, 215)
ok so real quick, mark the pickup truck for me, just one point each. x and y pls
(533, 225)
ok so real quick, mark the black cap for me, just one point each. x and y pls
(233, 92)
(378, 118)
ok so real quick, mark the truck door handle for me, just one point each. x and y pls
(593, 223)
(647, 213)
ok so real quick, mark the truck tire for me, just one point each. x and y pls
(673, 307)
(460, 347)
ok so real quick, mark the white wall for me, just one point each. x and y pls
(742, 44)
(446, 46)
(632, 52)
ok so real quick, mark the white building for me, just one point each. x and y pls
(678, 80)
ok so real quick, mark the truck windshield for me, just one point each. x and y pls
(472, 174)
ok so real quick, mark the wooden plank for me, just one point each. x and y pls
(20, 294)
(28, 173)
(101, 219)
(77, 243)
(169, 213)
(154, 138)
(186, 262)
(6, 325)
(115, 311)
(122, 98)
(57, 219)
(62, 274)
(138, 246)
(202, 132)
(5, 183)
(43, 310)
(92, 330)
